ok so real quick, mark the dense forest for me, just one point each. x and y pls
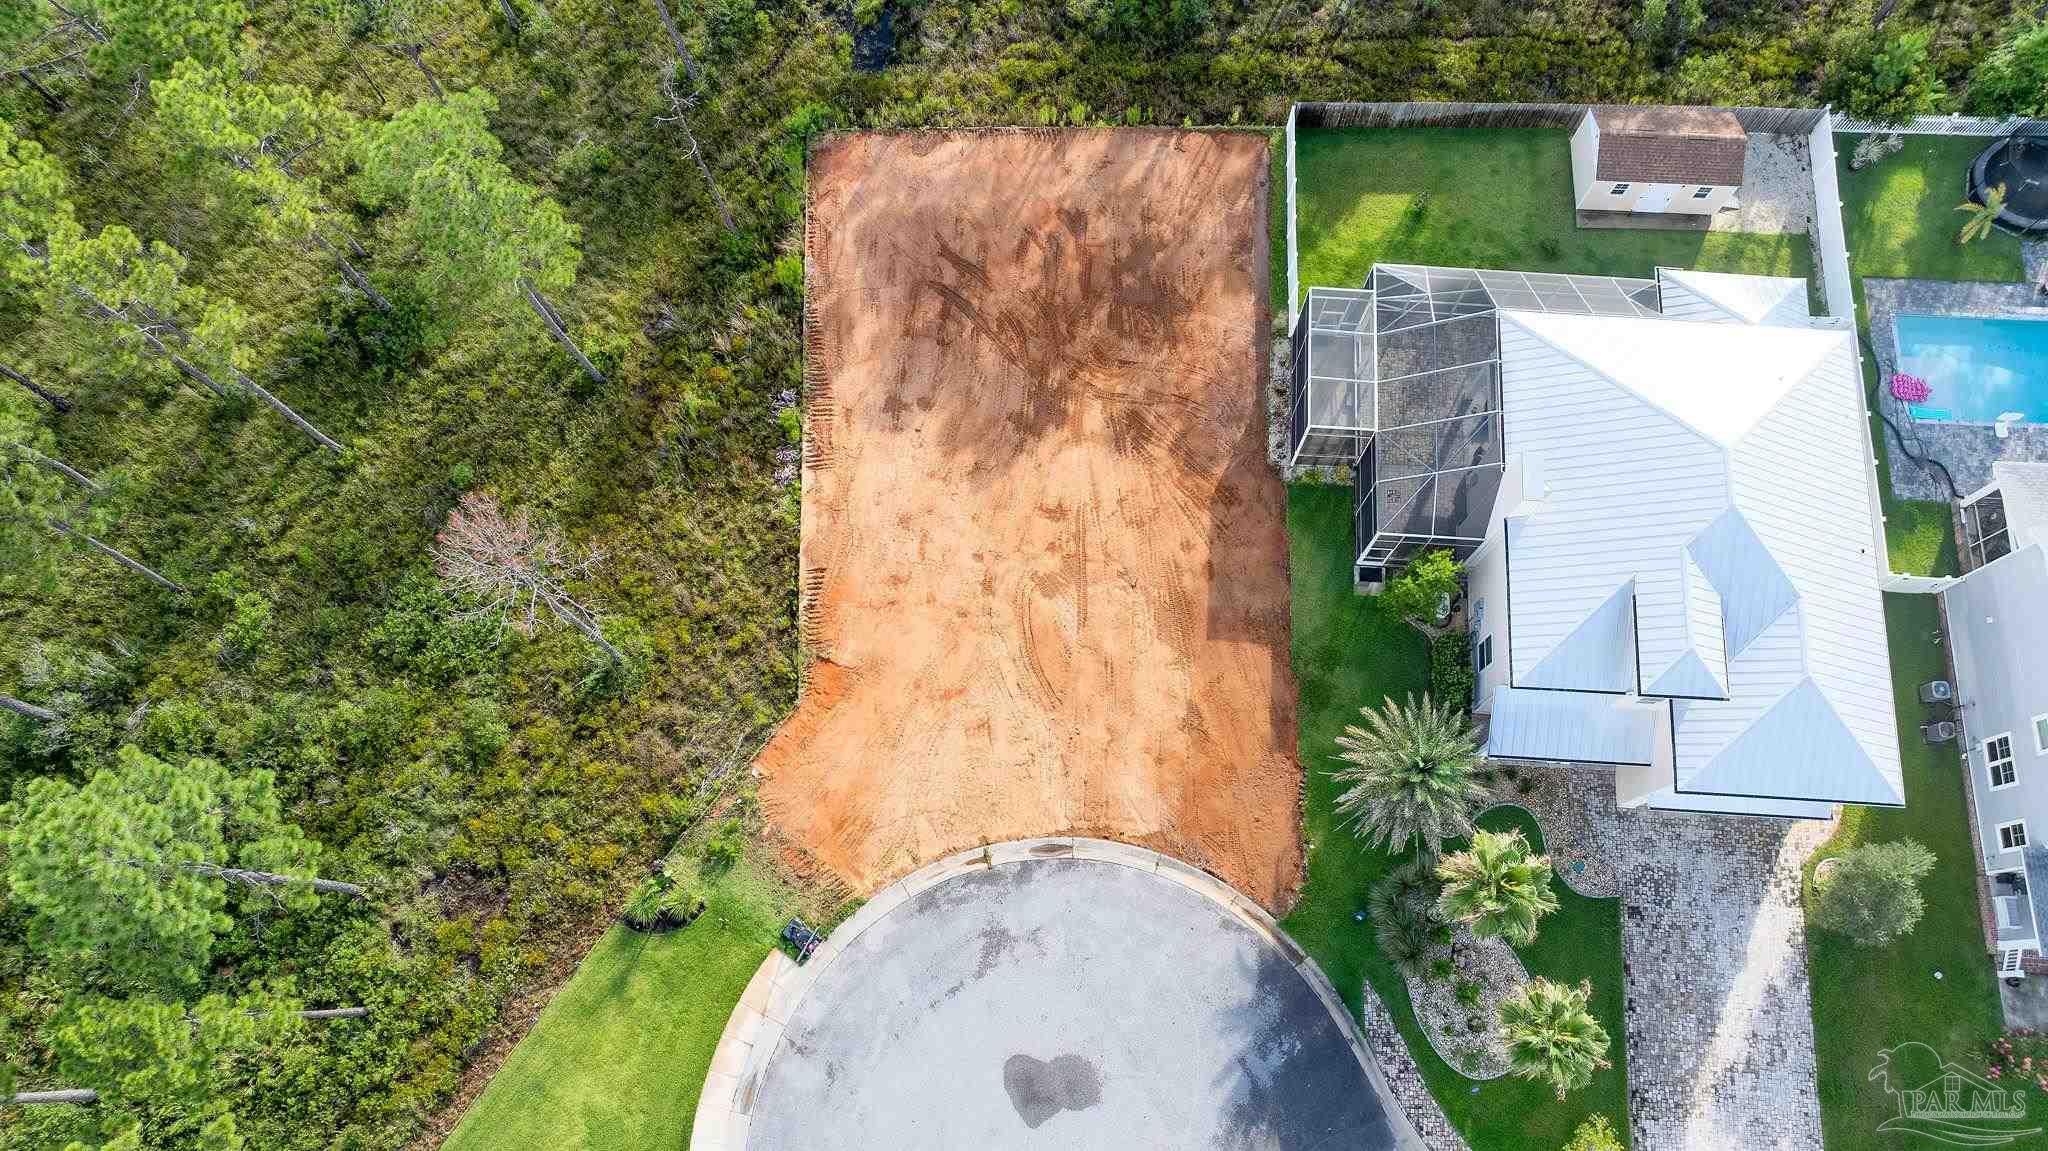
(400, 434)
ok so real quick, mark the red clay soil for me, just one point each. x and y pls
(1044, 562)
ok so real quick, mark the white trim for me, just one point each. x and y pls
(1998, 833)
(2010, 761)
(2040, 746)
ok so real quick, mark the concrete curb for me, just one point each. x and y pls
(754, 1033)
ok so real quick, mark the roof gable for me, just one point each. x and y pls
(1595, 656)
(1799, 749)
(1772, 300)
(1668, 145)
(1754, 590)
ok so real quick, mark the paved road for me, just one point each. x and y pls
(1064, 1003)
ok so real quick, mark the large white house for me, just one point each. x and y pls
(1681, 577)
(1664, 493)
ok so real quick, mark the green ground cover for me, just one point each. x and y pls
(618, 1059)
(1349, 653)
(1485, 198)
(1868, 999)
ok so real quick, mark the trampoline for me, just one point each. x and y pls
(2021, 164)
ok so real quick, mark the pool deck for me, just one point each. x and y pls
(1966, 450)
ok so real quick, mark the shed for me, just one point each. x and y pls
(1657, 159)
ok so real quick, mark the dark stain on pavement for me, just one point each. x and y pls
(1040, 1090)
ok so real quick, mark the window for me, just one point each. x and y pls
(1703, 193)
(2041, 735)
(1482, 654)
(2012, 836)
(1998, 761)
(1618, 190)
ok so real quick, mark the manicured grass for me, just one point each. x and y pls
(1868, 999)
(1349, 653)
(1483, 198)
(618, 1058)
(1899, 217)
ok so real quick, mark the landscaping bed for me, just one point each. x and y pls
(1350, 652)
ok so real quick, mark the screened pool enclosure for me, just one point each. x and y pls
(1400, 380)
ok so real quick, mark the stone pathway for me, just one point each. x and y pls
(1404, 1078)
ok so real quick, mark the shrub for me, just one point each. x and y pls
(1405, 943)
(1466, 991)
(2013, 79)
(1451, 678)
(1595, 1134)
(1428, 579)
(725, 846)
(1441, 969)
(1872, 893)
(1887, 82)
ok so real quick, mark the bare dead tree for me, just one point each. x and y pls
(44, 394)
(679, 106)
(54, 464)
(74, 1096)
(513, 569)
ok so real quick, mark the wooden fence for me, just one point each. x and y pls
(1445, 114)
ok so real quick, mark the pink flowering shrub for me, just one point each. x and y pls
(1910, 389)
(2019, 1058)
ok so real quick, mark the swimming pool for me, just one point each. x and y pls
(1978, 367)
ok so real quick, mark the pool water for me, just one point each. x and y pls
(1977, 367)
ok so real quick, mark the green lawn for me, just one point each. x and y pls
(618, 1058)
(1868, 999)
(1899, 219)
(1485, 198)
(1349, 653)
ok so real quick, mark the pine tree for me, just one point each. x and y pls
(130, 873)
(484, 238)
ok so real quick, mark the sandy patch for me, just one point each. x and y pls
(1044, 562)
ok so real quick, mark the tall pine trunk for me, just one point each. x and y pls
(355, 276)
(21, 707)
(546, 312)
(283, 409)
(115, 554)
(44, 394)
(251, 878)
(75, 1096)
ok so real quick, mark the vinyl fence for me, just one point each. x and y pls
(1293, 246)
(1451, 114)
(1947, 126)
(1829, 245)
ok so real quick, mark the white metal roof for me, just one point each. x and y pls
(1720, 297)
(1568, 725)
(1713, 473)
(2023, 489)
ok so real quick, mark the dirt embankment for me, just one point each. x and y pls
(1044, 561)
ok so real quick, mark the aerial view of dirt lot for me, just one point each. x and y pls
(1044, 573)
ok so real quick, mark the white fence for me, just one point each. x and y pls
(1918, 584)
(1827, 239)
(1293, 250)
(1942, 126)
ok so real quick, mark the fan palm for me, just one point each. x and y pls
(1982, 216)
(1411, 775)
(1552, 1036)
(1497, 886)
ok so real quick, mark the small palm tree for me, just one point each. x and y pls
(1497, 886)
(1982, 216)
(1552, 1036)
(1412, 775)
(1402, 906)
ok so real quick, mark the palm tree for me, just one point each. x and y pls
(1982, 216)
(1497, 886)
(1412, 775)
(1402, 906)
(1552, 1036)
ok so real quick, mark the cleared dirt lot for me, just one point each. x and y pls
(1044, 563)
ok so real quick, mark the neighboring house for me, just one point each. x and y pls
(1682, 161)
(1665, 496)
(1997, 622)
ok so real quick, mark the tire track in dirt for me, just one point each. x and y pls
(1053, 598)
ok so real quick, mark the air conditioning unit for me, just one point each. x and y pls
(1937, 691)
(1940, 731)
